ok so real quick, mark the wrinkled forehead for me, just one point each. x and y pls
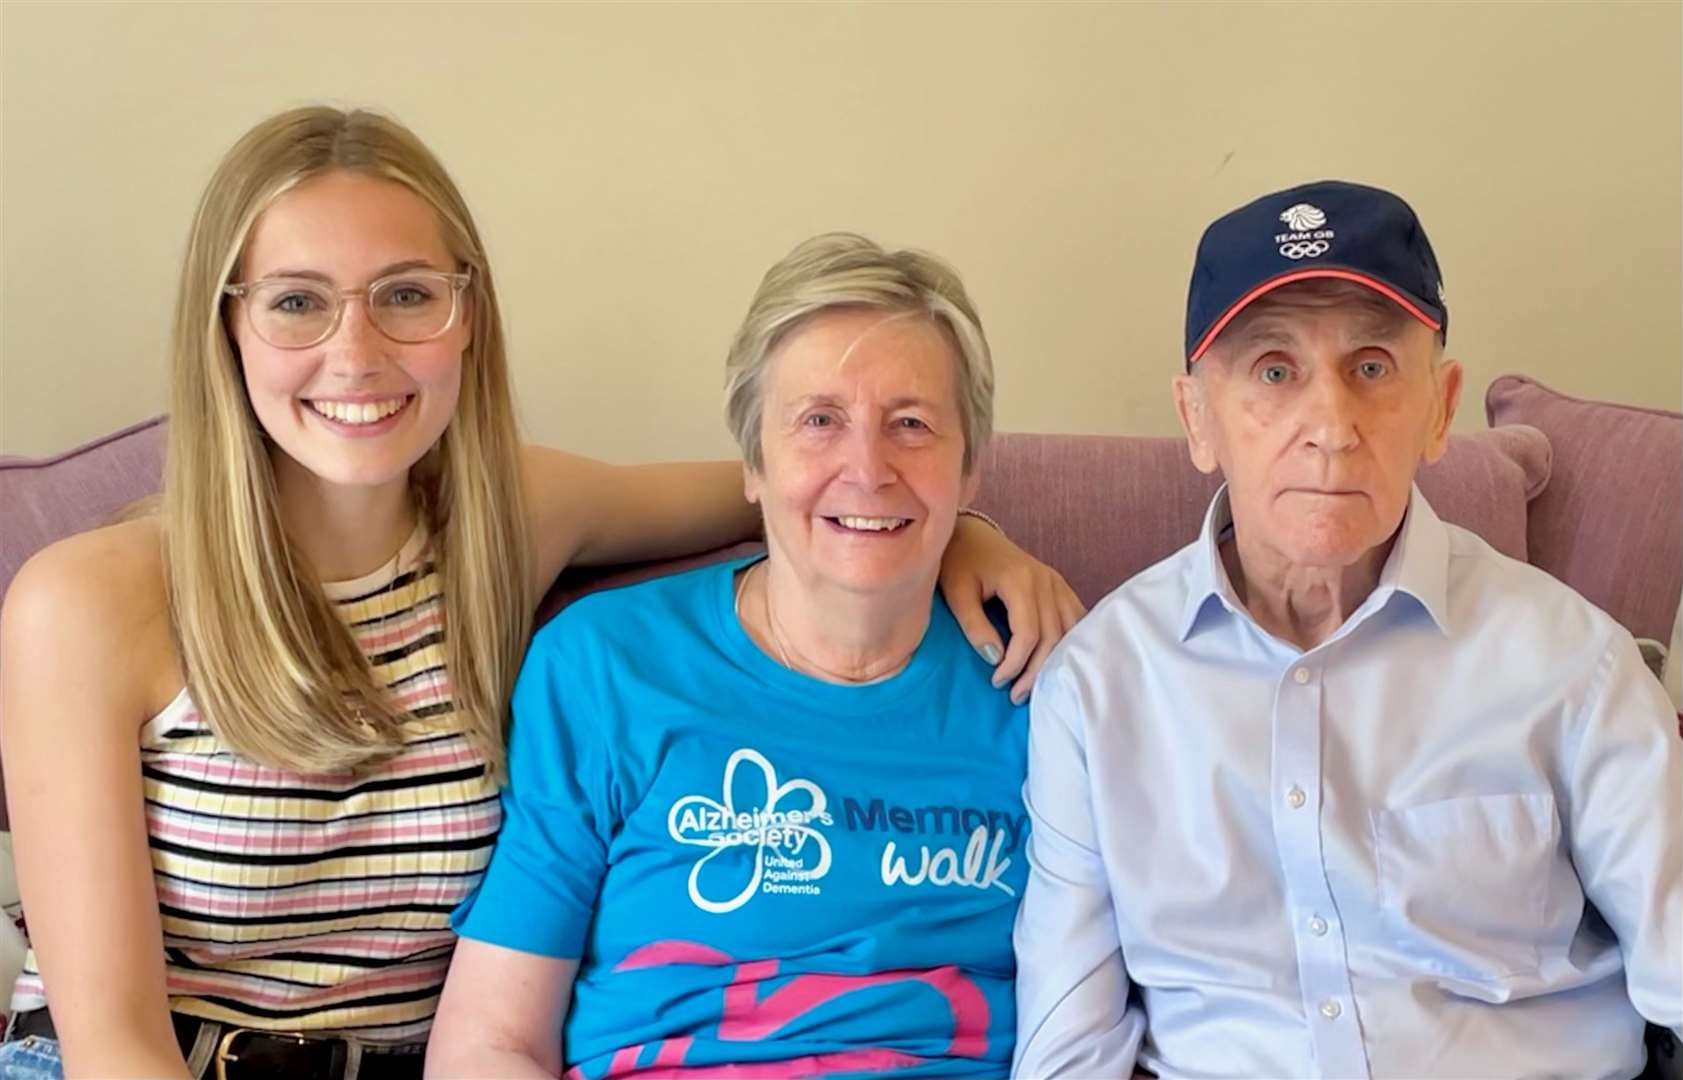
(853, 341)
(1355, 313)
(894, 329)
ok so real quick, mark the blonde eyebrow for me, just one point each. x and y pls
(384, 271)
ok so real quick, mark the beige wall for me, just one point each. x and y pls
(636, 168)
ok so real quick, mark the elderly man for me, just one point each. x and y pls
(1337, 790)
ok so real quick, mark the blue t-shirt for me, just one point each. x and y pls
(754, 867)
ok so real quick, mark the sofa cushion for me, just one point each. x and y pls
(1610, 523)
(1102, 508)
(47, 499)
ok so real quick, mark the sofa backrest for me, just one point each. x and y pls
(1610, 522)
(47, 499)
(1103, 508)
(1100, 508)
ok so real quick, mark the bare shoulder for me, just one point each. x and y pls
(94, 602)
(112, 574)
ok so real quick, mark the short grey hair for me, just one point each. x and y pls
(845, 270)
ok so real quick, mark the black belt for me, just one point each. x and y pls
(248, 1054)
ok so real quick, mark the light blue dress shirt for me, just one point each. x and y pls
(1445, 842)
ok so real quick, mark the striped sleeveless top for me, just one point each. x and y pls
(321, 902)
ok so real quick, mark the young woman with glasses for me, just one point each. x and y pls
(252, 741)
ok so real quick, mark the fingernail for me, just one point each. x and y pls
(991, 653)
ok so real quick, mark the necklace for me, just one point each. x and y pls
(775, 638)
(742, 587)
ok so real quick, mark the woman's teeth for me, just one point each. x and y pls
(358, 412)
(870, 524)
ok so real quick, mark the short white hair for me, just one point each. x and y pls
(845, 270)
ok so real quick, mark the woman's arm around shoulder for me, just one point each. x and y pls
(86, 650)
(589, 512)
(500, 1015)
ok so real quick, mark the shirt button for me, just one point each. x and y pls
(1300, 676)
(1318, 927)
(1295, 797)
(1330, 1009)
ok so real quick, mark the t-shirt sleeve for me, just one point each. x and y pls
(558, 813)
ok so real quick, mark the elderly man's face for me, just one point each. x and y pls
(1318, 404)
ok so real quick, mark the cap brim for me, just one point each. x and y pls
(1390, 292)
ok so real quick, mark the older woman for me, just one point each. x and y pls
(765, 817)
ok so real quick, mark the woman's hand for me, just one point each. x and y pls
(981, 563)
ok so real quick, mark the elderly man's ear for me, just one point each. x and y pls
(1446, 396)
(1195, 421)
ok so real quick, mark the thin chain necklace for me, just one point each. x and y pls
(774, 637)
(742, 587)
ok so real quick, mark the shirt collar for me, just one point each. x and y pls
(1418, 566)
(1207, 576)
(1419, 563)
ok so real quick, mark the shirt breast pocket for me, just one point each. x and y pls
(1464, 883)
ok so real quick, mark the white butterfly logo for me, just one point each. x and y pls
(787, 837)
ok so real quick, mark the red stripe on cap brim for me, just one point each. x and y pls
(1271, 284)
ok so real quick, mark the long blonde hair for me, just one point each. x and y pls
(269, 664)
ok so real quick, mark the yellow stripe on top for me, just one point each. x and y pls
(321, 901)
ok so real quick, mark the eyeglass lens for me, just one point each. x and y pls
(294, 313)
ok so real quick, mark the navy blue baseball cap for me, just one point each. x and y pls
(1328, 229)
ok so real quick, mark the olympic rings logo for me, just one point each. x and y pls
(1304, 249)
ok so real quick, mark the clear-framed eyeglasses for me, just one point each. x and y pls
(296, 313)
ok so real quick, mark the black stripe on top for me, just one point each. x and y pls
(470, 772)
(401, 581)
(471, 843)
